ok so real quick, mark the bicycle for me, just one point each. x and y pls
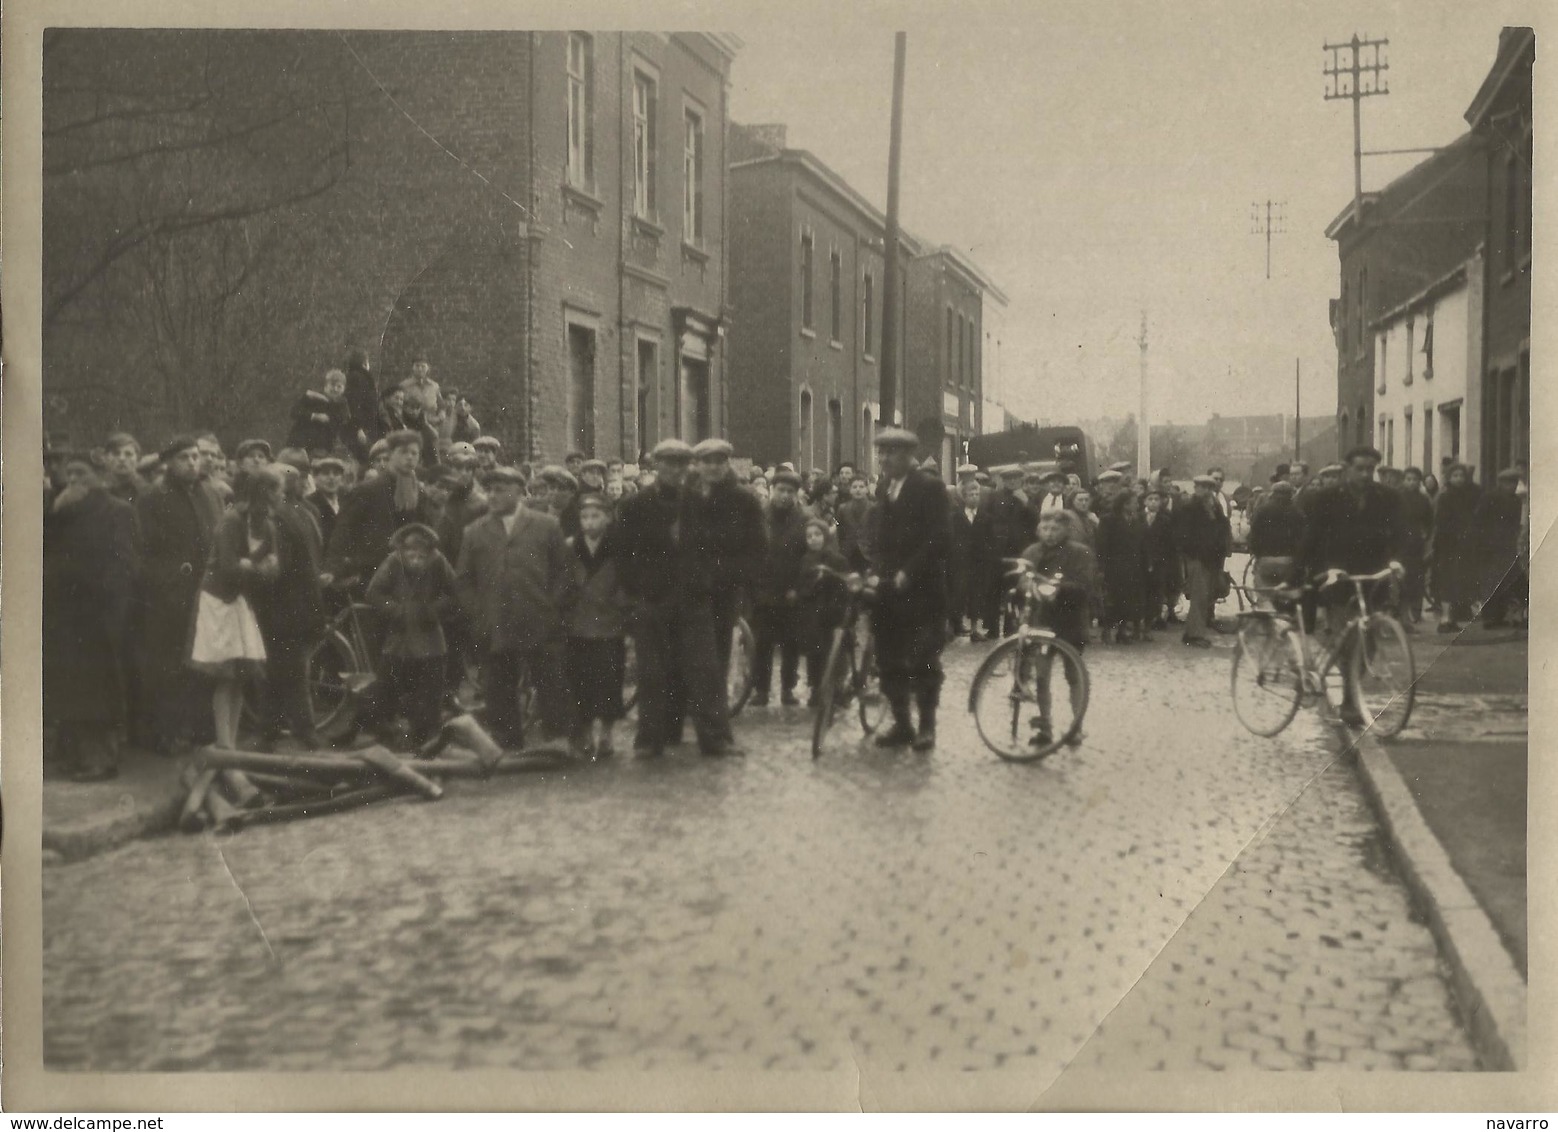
(1015, 678)
(850, 672)
(339, 668)
(1275, 668)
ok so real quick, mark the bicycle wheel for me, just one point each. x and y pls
(838, 681)
(1268, 675)
(738, 678)
(1012, 698)
(331, 666)
(1384, 675)
(868, 683)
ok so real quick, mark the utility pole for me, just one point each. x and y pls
(1298, 413)
(1272, 225)
(1349, 76)
(890, 299)
(1143, 424)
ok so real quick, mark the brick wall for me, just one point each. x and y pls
(412, 250)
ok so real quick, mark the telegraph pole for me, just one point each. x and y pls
(1298, 412)
(890, 284)
(1273, 224)
(1143, 425)
(1348, 75)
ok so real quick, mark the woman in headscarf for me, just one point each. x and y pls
(1453, 551)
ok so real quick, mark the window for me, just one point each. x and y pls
(1513, 241)
(803, 453)
(1345, 321)
(581, 110)
(1363, 306)
(835, 435)
(1390, 441)
(1382, 369)
(1362, 423)
(1428, 439)
(1406, 434)
(692, 178)
(648, 380)
(961, 327)
(644, 106)
(836, 281)
(1428, 343)
(1411, 342)
(808, 242)
(972, 373)
(869, 319)
(951, 344)
(581, 387)
(696, 419)
(1450, 431)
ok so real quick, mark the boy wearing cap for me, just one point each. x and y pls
(373, 512)
(413, 591)
(122, 455)
(326, 497)
(597, 622)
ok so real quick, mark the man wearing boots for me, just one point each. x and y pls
(909, 558)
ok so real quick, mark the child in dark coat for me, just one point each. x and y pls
(596, 653)
(414, 592)
(820, 600)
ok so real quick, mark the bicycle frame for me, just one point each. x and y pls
(1332, 651)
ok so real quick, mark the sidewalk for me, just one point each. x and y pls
(1451, 792)
(83, 819)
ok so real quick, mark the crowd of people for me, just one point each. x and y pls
(182, 585)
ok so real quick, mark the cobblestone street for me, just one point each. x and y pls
(890, 910)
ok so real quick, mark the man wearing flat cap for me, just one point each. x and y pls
(736, 537)
(376, 509)
(668, 573)
(1202, 538)
(177, 521)
(909, 555)
(561, 498)
(516, 583)
(1009, 526)
(488, 449)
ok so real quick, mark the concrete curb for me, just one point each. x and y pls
(78, 840)
(1487, 985)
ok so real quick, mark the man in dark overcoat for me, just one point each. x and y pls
(516, 582)
(736, 537)
(774, 617)
(89, 568)
(1201, 534)
(1355, 526)
(177, 521)
(909, 618)
(667, 573)
(375, 510)
(1010, 525)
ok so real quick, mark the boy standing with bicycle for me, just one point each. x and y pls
(1062, 557)
(821, 601)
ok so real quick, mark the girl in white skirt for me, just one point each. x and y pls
(227, 642)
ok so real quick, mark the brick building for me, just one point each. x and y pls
(1500, 117)
(944, 394)
(1412, 232)
(807, 261)
(541, 214)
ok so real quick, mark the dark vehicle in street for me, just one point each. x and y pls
(1063, 446)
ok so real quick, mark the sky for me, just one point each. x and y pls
(1101, 159)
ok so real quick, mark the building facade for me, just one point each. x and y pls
(944, 394)
(1500, 117)
(807, 262)
(1428, 355)
(1420, 226)
(541, 215)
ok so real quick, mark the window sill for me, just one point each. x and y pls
(835, 344)
(807, 332)
(582, 197)
(694, 252)
(647, 226)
